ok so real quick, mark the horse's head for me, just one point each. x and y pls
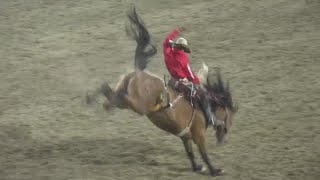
(223, 106)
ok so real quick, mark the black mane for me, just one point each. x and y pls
(221, 91)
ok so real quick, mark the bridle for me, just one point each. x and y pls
(220, 104)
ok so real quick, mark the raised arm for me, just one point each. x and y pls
(174, 34)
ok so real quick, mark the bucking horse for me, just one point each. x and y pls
(167, 105)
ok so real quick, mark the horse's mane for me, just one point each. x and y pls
(138, 32)
(221, 91)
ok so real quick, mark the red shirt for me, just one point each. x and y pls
(177, 61)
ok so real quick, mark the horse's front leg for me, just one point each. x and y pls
(200, 140)
(187, 142)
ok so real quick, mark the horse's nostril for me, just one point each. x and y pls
(225, 130)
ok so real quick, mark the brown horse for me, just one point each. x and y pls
(146, 94)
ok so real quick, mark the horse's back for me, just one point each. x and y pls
(145, 88)
(148, 83)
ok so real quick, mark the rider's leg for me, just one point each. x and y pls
(206, 107)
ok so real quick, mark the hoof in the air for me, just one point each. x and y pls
(200, 168)
(217, 172)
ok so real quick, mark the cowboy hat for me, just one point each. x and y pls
(184, 43)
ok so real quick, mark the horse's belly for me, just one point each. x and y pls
(163, 122)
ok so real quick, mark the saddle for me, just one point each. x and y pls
(192, 93)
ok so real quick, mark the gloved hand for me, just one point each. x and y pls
(185, 80)
(181, 29)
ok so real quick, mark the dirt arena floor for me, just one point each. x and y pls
(53, 51)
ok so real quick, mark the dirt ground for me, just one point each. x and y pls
(52, 52)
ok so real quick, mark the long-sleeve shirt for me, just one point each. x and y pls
(177, 61)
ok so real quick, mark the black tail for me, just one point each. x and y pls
(137, 31)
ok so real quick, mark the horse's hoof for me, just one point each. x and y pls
(200, 168)
(217, 172)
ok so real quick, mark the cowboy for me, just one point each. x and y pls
(177, 62)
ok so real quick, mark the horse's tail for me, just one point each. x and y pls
(138, 32)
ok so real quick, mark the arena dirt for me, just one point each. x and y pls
(52, 52)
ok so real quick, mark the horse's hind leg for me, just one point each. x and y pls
(187, 142)
(107, 91)
(122, 89)
(200, 140)
(104, 89)
(116, 96)
(120, 98)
